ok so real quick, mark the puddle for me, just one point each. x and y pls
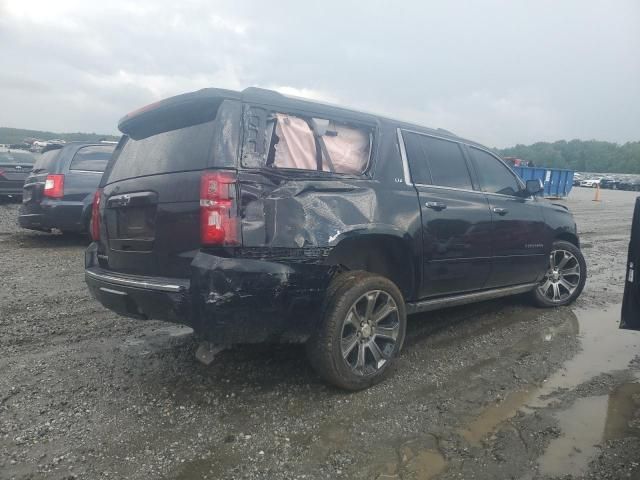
(582, 428)
(494, 416)
(604, 348)
(418, 459)
(587, 423)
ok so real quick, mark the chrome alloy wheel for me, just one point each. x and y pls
(370, 332)
(562, 278)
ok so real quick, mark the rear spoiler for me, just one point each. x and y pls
(175, 112)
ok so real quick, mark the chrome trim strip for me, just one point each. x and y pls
(463, 299)
(84, 171)
(461, 142)
(434, 136)
(403, 155)
(126, 282)
(450, 188)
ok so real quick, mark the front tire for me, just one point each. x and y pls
(565, 278)
(361, 331)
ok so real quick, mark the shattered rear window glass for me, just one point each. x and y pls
(314, 144)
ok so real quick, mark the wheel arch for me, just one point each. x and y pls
(386, 254)
(568, 237)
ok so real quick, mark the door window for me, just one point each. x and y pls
(494, 176)
(437, 162)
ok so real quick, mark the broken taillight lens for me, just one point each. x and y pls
(54, 186)
(218, 212)
(95, 215)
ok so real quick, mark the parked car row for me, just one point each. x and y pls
(621, 182)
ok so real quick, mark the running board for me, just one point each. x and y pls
(454, 301)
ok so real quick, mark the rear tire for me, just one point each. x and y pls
(565, 277)
(361, 331)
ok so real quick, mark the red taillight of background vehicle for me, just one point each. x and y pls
(95, 215)
(218, 213)
(54, 186)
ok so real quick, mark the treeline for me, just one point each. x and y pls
(581, 156)
(17, 135)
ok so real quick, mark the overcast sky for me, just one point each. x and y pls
(498, 72)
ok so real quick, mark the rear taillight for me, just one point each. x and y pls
(54, 186)
(218, 213)
(95, 215)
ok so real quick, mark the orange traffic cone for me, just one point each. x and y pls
(597, 198)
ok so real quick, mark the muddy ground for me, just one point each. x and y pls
(498, 390)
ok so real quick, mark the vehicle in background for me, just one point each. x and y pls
(15, 166)
(41, 145)
(610, 183)
(629, 184)
(590, 183)
(59, 191)
(577, 178)
(256, 217)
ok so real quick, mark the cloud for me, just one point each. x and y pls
(498, 72)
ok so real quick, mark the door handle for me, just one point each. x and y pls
(436, 205)
(500, 211)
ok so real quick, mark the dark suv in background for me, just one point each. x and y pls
(254, 217)
(60, 189)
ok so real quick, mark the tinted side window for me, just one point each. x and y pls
(178, 150)
(417, 158)
(493, 175)
(436, 162)
(447, 164)
(91, 159)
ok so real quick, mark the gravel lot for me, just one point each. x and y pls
(498, 390)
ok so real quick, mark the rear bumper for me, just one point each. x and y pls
(11, 188)
(226, 300)
(64, 215)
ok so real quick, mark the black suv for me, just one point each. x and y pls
(255, 217)
(60, 189)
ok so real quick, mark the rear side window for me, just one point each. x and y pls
(91, 159)
(284, 141)
(177, 150)
(46, 161)
(417, 157)
(493, 175)
(437, 162)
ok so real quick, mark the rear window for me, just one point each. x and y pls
(16, 157)
(177, 150)
(46, 161)
(92, 159)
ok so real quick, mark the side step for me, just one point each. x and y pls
(463, 299)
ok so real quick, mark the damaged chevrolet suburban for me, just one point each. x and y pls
(256, 217)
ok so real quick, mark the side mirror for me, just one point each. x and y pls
(533, 187)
